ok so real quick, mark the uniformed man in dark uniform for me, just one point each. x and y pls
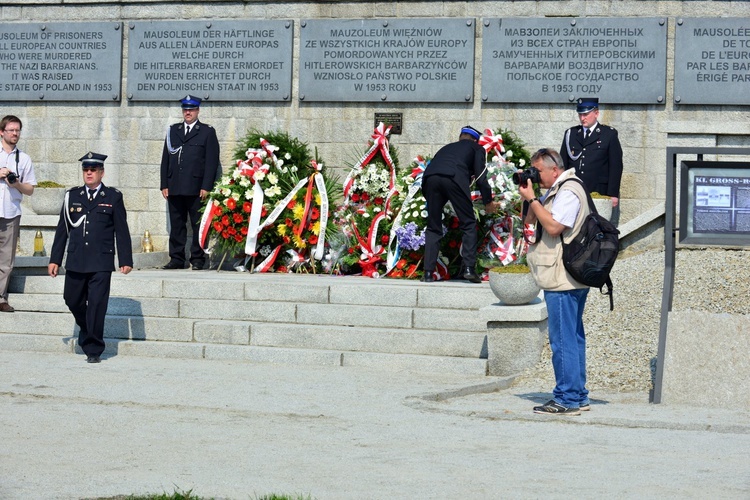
(92, 223)
(188, 171)
(448, 177)
(595, 152)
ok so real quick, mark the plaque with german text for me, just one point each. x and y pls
(387, 60)
(712, 61)
(558, 60)
(216, 60)
(60, 61)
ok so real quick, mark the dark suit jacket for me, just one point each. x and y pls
(194, 166)
(462, 161)
(599, 165)
(91, 245)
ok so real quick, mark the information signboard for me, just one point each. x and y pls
(60, 61)
(712, 61)
(401, 60)
(555, 60)
(715, 203)
(217, 60)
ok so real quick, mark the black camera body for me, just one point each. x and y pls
(12, 177)
(531, 173)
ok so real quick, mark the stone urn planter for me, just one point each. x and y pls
(47, 200)
(513, 288)
(603, 205)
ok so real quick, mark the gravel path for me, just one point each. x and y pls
(622, 344)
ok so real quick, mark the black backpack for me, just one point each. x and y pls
(589, 257)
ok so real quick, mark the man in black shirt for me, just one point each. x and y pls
(448, 177)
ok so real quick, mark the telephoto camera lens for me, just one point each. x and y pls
(530, 173)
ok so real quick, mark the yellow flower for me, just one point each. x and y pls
(317, 198)
(281, 229)
(298, 241)
(298, 211)
(315, 228)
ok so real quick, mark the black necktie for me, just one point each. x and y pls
(586, 133)
(187, 129)
(92, 192)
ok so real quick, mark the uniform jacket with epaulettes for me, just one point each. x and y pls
(192, 163)
(598, 158)
(91, 245)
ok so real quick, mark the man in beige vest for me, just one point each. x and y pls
(559, 212)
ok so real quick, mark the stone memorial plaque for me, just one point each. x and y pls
(374, 60)
(559, 60)
(712, 61)
(395, 120)
(60, 61)
(216, 60)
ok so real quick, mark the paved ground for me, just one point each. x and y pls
(236, 430)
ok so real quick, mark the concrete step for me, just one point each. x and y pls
(255, 354)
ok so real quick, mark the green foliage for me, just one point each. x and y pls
(520, 156)
(49, 184)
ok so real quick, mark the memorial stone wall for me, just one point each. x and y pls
(107, 76)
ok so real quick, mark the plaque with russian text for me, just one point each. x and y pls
(558, 60)
(393, 60)
(216, 60)
(712, 61)
(60, 61)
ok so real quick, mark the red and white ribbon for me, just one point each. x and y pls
(212, 209)
(268, 261)
(491, 141)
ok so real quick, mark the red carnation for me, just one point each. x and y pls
(397, 274)
(365, 196)
(454, 222)
(282, 269)
(313, 239)
(237, 218)
(247, 207)
(288, 222)
(238, 238)
(384, 239)
(378, 200)
(453, 243)
(225, 220)
(263, 212)
(355, 197)
(244, 230)
(217, 226)
(411, 270)
(225, 235)
(231, 230)
(291, 204)
(400, 264)
(314, 213)
(231, 204)
(286, 240)
(351, 250)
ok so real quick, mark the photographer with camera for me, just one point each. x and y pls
(17, 176)
(559, 212)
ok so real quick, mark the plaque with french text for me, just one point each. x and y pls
(555, 60)
(217, 60)
(60, 61)
(387, 60)
(712, 61)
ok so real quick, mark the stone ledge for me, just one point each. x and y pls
(515, 336)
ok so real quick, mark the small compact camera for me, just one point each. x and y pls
(12, 177)
(530, 173)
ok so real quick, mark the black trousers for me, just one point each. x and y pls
(439, 190)
(87, 297)
(182, 208)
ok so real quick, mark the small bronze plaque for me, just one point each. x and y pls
(395, 120)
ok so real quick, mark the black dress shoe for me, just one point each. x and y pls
(93, 359)
(198, 267)
(174, 265)
(468, 274)
(427, 278)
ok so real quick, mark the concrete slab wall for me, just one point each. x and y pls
(57, 133)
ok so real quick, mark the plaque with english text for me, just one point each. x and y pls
(556, 60)
(60, 61)
(217, 60)
(387, 60)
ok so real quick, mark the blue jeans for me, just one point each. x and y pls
(568, 342)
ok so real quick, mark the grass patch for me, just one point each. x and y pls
(188, 495)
